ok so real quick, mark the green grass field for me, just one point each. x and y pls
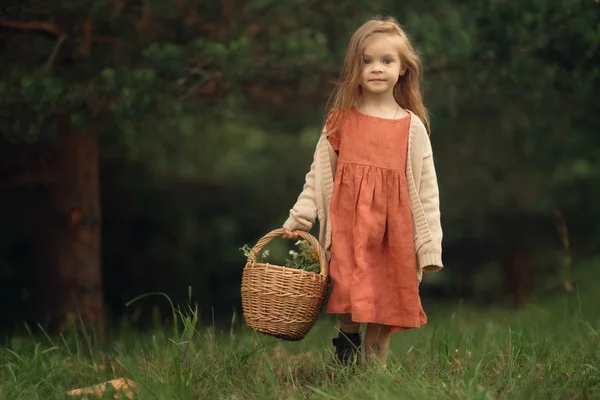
(549, 350)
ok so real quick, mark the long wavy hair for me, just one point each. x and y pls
(407, 91)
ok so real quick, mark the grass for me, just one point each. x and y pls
(549, 350)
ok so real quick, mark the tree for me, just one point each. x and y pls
(514, 115)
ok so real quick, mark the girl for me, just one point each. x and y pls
(379, 217)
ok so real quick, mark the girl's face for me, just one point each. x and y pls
(381, 65)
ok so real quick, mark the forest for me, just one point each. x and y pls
(143, 143)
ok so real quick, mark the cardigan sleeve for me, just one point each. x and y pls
(430, 254)
(304, 212)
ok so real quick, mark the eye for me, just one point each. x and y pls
(365, 61)
(387, 61)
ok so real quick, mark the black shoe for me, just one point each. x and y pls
(347, 347)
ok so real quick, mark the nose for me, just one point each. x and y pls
(377, 67)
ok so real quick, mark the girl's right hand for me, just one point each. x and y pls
(287, 234)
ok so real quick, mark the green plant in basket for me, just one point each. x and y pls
(303, 257)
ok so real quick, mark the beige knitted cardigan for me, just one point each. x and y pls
(315, 197)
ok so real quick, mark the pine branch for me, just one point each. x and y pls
(54, 53)
(39, 26)
(534, 43)
(542, 39)
(53, 29)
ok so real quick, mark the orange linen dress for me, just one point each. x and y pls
(373, 261)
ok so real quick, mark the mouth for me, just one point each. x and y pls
(376, 80)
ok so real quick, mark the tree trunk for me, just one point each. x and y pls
(517, 262)
(69, 280)
(519, 276)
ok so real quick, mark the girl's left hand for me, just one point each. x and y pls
(287, 234)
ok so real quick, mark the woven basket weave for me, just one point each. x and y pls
(280, 301)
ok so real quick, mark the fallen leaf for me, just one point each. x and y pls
(279, 353)
(123, 386)
(302, 356)
(457, 362)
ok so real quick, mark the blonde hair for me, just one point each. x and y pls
(407, 91)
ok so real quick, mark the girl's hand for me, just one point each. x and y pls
(287, 234)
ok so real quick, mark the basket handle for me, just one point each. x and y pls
(324, 265)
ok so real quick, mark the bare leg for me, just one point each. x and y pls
(347, 325)
(377, 341)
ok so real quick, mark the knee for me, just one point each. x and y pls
(346, 318)
(347, 325)
(380, 330)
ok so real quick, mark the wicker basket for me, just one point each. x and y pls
(280, 301)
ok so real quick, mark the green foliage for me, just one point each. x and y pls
(305, 257)
(43, 92)
(512, 114)
(160, 70)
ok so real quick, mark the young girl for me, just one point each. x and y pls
(379, 216)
